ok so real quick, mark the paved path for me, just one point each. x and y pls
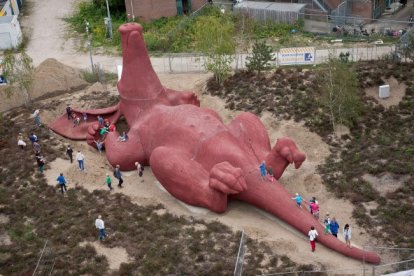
(49, 39)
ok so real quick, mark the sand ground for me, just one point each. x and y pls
(256, 223)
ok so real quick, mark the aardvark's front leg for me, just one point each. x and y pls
(188, 181)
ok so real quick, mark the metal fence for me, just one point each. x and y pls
(357, 271)
(238, 268)
(194, 63)
(404, 255)
(46, 262)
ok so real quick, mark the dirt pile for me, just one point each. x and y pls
(52, 77)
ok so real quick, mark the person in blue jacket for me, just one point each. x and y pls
(298, 200)
(62, 183)
(334, 226)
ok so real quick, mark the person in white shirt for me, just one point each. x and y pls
(20, 141)
(100, 225)
(347, 235)
(80, 158)
(312, 237)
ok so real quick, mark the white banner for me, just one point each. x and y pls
(299, 55)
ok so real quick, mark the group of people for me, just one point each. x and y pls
(118, 175)
(40, 160)
(331, 225)
(75, 116)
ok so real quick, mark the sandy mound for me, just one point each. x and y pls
(52, 77)
(397, 92)
(96, 87)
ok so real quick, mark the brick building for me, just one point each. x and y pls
(153, 9)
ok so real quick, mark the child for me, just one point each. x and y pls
(270, 176)
(76, 121)
(263, 170)
(327, 223)
(112, 127)
(103, 131)
(69, 111)
(109, 182)
(100, 121)
(99, 145)
(123, 137)
(347, 235)
(36, 116)
(140, 170)
(298, 199)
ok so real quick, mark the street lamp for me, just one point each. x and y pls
(108, 21)
(89, 43)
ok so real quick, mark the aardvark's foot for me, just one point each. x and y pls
(227, 179)
(285, 152)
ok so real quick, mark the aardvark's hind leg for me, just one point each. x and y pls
(188, 181)
(249, 130)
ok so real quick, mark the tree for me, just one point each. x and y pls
(214, 38)
(18, 71)
(339, 89)
(260, 58)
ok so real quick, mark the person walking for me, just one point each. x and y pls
(36, 116)
(313, 234)
(69, 153)
(100, 225)
(33, 138)
(347, 235)
(99, 145)
(85, 117)
(81, 159)
(36, 147)
(334, 227)
(118, 175)
(140, 170)
(327, 223)
(40, 163)
(109, 182)
(313, 207)
(20, 141)
(62, 183)
(298, 200)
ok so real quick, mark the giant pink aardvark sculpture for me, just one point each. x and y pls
(193, 154)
